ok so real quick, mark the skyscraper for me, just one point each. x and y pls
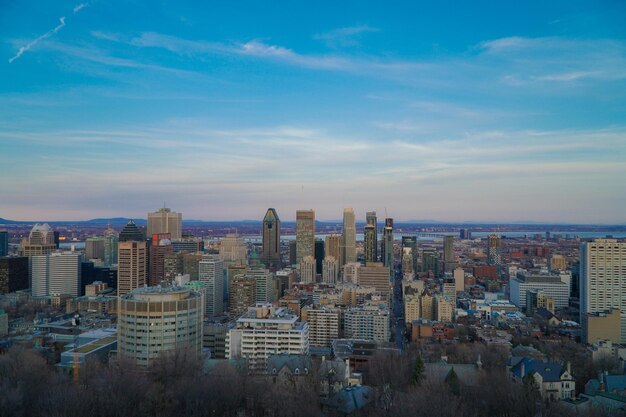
(94, 248)
(40, 241)
(165, 221)
(13, 274)
(349, 235)
(56, 273)
(409, 254)
(330, 270)
(4, 243)
(211, 272)
(132, 259)
(430, 261)
(371, 237)
(334, 247)
(233, 249)
(271, 239)
(602, 284)
(493, 248)
(308, 270)
(320, 254)
(241, 293)
(110, 247)
(305, 234)
(387, 249)
(160, 247)
(448, 253)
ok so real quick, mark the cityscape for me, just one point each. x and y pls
(268, 209)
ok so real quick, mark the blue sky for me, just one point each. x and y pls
(489, 111)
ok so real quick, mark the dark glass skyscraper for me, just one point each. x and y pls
(131, 233)
(387, 249)
(271, 239)
(371, 237)
(4, 243)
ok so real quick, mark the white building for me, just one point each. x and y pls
(330, 270)
(211, 273)
(351, 272)
(265, 330)
(233, 249)
(307, 269)
(57, 273)
(367, 322)
(603, 280)
(551, 285)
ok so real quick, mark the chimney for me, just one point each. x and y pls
(522, 369)
(569, 367)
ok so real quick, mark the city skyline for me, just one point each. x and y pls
(477, 113)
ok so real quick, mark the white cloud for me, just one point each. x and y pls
(346, 36)
(34, 42)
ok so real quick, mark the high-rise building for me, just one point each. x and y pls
(493, 247)
(172, 265)
(241, 294)
(323, 323)
(110, 247)
(371, 237)
(40, 241)
(376, 275)
(430, 261)
(264, 284)
(271, 239)
(552, 285)
(465, 234)
(13, 274)
(349, 235)
(367, 322)
(56, 273)
(94, 248)
(333, 247)
(308, 270)
(320, 254)
(190, 264)
(409, 254)
(448, 253)
(233, 249)
(387, 246)
(4, 243)
(305, 234)
(145, 328)
(602, 283)
(165, 221)
(160, 247)
(459, 279)
(211, 273)
(132, 259)
(330, 270)
(265, 330)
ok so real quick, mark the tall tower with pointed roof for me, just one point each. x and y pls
(271, 239)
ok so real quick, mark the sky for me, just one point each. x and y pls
(448, 111)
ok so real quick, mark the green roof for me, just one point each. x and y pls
(90, 347)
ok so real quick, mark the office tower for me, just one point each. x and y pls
(330, 270)
(110, 247)
(131, 233)
(602, 284)
(271, 239)
(465, 234)
(13, 274)
(94, 248)
(241, 294)
(459, 279)
(145, 328)
(286, 278)
(444, 308)
(160, 247)
(305, 234)
(370, 238)
(4, 243)
(349, 235)
(190, 264)
(165, 221)
(409, 254)
(376, 275)
(387, 246)
(40, 241)
(211, 272)
(367, 322)
(264, 284)
(430, 261)
(333, 247)
(493, 247)
(308, 270)
(56, 273)
(320, 254)
(172, 265)
(190, 244)
(293, 252)
(448, 253)
(351, 272)
(323, 325)
(233, 249)
(550, 284)
(265, 330)
(132, 257)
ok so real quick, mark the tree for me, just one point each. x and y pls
(418, 371)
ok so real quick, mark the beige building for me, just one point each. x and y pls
(307, 270)
(155, 320)
(131, 269)
(351, 272)
(40, 241)
(367, 322)
(323, 324)
(330, 270)
(445, 308)
(241, 294)
(376, 275)
(349, 235)
(233, 249)
(412, 308)
(333, 247)
(459, 279)
(603, 326)
(305, 234)
(165, 221)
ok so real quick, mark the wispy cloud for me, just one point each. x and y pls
(34, 42)
(346, 36)
(80, 7)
